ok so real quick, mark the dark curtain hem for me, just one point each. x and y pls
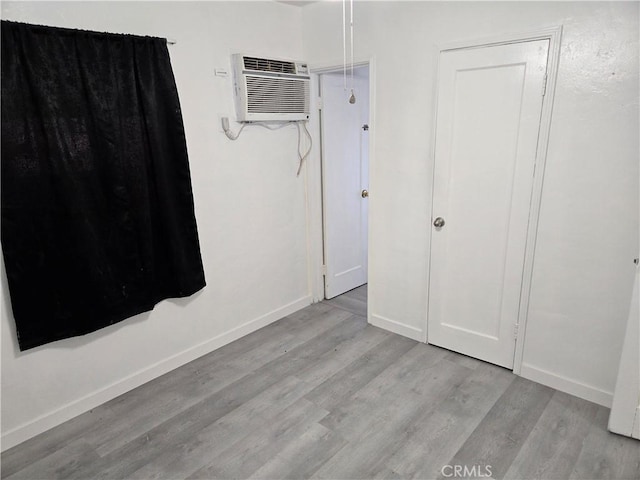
(34, 341)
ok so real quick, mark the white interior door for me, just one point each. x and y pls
(345, 177)
(625, 410)
(489, 108)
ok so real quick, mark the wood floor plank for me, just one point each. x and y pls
(344, 354)
(552, 448)
(301, 330)
(410, 375)
(60, 464)
(255, 450)
(463, 360)
(29, 453)
(352, 304)
(360, 293)
(302, 458)
(606, 455)
(149, 411)
(335, 390)
(213, 441)
(435, 437)
(387, 474)
(502, 432)
(385, 429)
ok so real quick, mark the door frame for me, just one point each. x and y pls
(314, 175)
(554, 35)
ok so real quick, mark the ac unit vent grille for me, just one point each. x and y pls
(268, 90)
(277, 95)
(267, 65)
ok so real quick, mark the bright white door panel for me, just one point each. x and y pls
(345, 176)
(489, 107)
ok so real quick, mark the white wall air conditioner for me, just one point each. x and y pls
(270, 89)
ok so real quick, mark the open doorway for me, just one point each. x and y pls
(344, 133)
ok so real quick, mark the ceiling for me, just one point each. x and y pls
(299, 3)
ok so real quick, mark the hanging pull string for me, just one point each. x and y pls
(352, 98)
(344, 43)
(351, 34)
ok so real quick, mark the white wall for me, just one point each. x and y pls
(250, 209)
(588, 231)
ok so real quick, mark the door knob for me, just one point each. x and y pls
(438, 222)
(364, 194)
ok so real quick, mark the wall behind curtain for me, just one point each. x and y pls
(588, 231)
(250, 209)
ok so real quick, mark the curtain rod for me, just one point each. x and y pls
(171, 41)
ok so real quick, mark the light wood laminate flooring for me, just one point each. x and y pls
(322, 394)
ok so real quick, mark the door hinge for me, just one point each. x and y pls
(319, 103)
(516, 327)
(365, 127)
(324, 270)
(544, 85)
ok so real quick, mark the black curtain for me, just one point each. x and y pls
(97, 211)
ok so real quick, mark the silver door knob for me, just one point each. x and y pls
(364, 193)
(438, 222)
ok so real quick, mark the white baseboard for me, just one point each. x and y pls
(396, 327)
(73, 409)
(567, 385)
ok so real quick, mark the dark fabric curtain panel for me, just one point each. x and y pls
(98, 221)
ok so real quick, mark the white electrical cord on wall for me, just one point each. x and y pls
(303, 157)
(230, 135)
(234, 136)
